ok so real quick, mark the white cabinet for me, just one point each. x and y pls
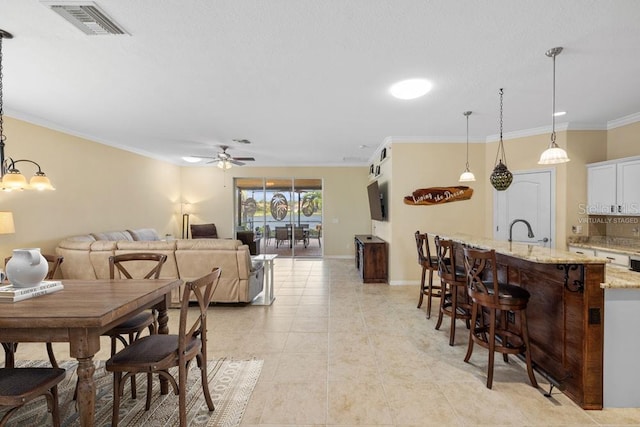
(614, 257)
(601, 189)
(582, 251)
(628, 187)
(612, 187)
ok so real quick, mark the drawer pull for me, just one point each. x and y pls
(611, 258)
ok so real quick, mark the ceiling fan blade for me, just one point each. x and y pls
(245, 159)
(235, 162)
(204, 157)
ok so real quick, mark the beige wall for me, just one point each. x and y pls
(98, 188)
(417, 166)
(345, 205)
(623, 141)
(101, 188)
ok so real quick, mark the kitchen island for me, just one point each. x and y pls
(565, 312)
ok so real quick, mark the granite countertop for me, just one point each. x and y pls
(611, 247)
(524, 251)
(619, 277)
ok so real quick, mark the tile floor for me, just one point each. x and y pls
(341, 353)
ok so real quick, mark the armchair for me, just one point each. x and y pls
(204, 231)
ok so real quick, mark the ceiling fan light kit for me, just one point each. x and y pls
(223, 159)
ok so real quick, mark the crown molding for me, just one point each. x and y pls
(623, 121)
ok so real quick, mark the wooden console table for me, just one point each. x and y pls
(371, 258)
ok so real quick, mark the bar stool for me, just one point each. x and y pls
(454, 301)
(428, 263)
(487, 293)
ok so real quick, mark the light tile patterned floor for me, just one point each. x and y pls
(341, 353)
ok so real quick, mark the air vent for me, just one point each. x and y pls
(87, 17)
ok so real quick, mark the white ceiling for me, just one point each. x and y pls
(307, 80)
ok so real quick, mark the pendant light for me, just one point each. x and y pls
(554, 154)
(467, 175)
(501, 177)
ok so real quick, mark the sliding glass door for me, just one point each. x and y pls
(285, 214)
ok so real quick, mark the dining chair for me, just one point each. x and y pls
(19, 386)
(156, 354)
(54, 262)
(127, 265)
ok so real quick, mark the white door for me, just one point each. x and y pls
(529, 197)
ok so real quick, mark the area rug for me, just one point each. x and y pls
(231, 383)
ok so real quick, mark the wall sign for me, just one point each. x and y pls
(438, 195)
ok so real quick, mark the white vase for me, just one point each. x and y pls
(26, 268)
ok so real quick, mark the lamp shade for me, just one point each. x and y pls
(553, 156)
(467, 176)
(6, 223)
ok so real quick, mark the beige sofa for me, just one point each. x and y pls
(86, 257)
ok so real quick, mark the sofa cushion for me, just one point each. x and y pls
(113, 235)
(144, 234)
(196, 244)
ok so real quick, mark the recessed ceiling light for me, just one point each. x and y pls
(191, 159)
(410, 89)
(559, 113)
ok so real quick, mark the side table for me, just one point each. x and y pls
(266, 297)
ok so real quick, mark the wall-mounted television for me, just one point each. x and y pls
(376, 201)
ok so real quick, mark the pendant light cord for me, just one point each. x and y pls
(501, 153)
(553, 105)
(467, 114)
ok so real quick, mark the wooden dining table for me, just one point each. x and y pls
(79, 314)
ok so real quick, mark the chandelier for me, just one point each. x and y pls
(11, 178)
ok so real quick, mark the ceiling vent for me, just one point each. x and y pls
(86, 16)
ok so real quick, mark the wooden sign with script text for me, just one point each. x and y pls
(438, 195)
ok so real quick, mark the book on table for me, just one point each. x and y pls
(10, 293)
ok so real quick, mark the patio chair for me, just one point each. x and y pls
(282, 235)
(301, 234)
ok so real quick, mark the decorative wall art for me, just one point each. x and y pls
(279, 206)
(438, 195)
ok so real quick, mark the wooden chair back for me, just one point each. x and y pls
(136, 261)
(445, 251)
(482, 276)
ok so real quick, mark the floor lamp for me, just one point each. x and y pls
(186, 208)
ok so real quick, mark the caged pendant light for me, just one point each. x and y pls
(501, 177)
(467, 175)
(554, 154)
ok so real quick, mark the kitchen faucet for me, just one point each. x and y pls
(530, 231)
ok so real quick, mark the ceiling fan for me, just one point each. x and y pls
(225, 160)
